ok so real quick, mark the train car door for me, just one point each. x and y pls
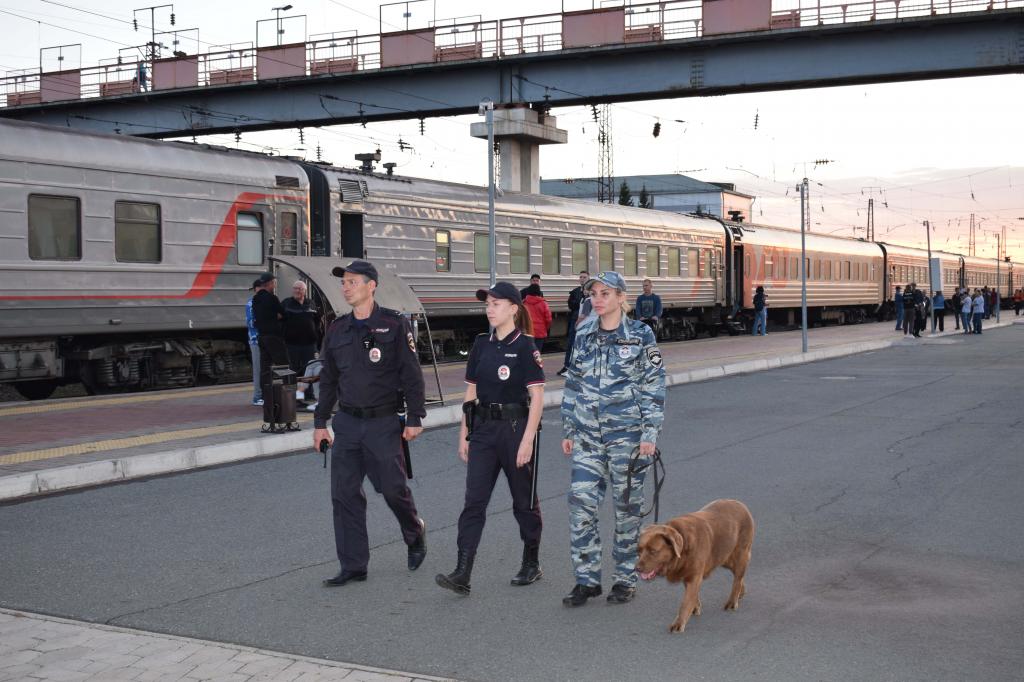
(352, 235)
(718, 272)
(736, 277)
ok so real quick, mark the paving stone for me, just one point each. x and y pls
(368, 676)
(270, 666)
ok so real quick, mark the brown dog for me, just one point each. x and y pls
(688, 548)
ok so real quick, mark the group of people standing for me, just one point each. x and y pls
(913, 309)
(612, 413)
(280, 333)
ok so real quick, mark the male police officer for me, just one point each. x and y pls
(369, 362)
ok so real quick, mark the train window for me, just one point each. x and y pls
(481, 252)
(794, 268)
(817, 269)
(136, 232)
(767, 266)
(874, 274)
(780, 271)
(629, 259)
(846, 270)
(249, 239)
(706, 263)
(673, 261)
(807, 268)
(580, 256)
(828, 270)
(518, 255)
(693, 263)
(288, 235)
(442, 251)
(653, 261)
(552, 260)
(54, 228)
(606, 256)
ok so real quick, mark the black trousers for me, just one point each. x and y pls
(272, 352)
(367, 448)
(299, 356)
(492, 449)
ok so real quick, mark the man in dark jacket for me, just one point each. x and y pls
(576, 297)
(267, 314)
(918, 311)
(908, 310)
(301, 328)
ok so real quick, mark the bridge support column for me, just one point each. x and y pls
(519, 132)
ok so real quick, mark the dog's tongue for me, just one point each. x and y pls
(649, 575)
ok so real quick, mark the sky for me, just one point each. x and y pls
(934, 151)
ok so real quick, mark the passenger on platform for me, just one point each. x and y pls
(534, 281)
(612, 413)
(1018, 301)
(978, 310)
(939, 308)
(254, 350)
(540, 314)
(760, 312)
(648, 307)
(898, 305)
(987, 295)
(370, 365)
(301, 329)
(954, 304)
(908, 310)
(505, 399)
(576, 297)
(996, 302)
(268, 313)
(966, 310)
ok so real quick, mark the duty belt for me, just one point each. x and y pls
(368, 412)
(499, 411)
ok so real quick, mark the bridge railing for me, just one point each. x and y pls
(466, 39)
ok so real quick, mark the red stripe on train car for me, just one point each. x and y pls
(213, 263)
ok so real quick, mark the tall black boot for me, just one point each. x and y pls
(458, 580)
(530, 571)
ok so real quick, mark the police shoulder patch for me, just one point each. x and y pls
(537, 359)
(412, 342)
(654, 356)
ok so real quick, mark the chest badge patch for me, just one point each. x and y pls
(537, 359)
(625, 352)
(504, 372)
(375, 355)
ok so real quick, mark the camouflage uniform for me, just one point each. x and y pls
(614, 399)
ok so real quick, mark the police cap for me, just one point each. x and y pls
(609, 278)
(357, 267)
(500, 290)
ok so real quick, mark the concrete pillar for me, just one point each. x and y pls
(519, 134)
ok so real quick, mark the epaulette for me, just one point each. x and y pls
(389, 311)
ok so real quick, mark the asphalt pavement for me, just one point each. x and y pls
(885, 487)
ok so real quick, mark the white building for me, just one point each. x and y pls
(670, 192)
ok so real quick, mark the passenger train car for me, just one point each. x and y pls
(125, 263)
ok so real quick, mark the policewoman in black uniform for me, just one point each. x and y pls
(503, 404)
(369, 364)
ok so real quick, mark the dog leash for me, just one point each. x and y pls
(636, 467)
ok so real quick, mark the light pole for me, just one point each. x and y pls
(803, 263)
(285, 8)
(931, 285)
(487, 111)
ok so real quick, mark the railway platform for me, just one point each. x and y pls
(55, 445)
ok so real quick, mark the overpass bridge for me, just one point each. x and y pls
(671, 49)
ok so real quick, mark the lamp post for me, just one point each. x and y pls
(487, 111)
(284, 8)
(931, 284)
(803, 263)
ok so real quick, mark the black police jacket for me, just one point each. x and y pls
(369, 365)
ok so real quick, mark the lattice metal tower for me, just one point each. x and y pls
(605, 158)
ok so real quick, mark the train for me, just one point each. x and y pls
(126, 262)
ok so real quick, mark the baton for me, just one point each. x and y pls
(324, 447)
(536, 463)
(405, 449)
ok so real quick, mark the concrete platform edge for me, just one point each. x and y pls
(128, 467)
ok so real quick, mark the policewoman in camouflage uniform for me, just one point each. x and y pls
(504, 402)
(613, 406)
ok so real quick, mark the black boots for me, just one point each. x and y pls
(458, 580)
(530, 571)
(418, 550)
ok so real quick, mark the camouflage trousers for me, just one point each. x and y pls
(593, 466)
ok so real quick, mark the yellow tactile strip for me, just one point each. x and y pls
(134, 398)
(130, 442)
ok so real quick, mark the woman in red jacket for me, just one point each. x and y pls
(540, 314)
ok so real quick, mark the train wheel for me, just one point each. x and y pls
(36, 390)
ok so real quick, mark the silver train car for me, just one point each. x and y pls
(125, 263)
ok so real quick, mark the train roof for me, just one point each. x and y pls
(766, 235)
(549, 207)
(102, 151)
